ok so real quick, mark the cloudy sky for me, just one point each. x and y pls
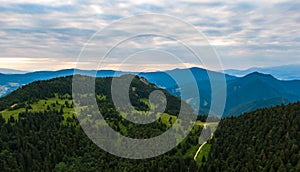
(50, 34)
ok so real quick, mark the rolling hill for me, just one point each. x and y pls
(263, 140)
(244, 94)
(39, 131)
(258, 90)
(11, 82)
(286, 72)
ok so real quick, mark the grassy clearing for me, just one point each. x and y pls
(7, 113)
(42, 105)
(165, 119)
(65, 104)
(199, 123)
(212, 125)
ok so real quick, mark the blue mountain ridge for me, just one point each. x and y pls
(284, 72)
(244, 94)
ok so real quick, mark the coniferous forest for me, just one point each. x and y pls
(264, 140)
(39, 131)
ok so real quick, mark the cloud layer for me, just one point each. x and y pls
(49, 34)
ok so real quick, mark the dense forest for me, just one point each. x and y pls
(39, 142)
(264, 140)
(39, 131)
(45, 135)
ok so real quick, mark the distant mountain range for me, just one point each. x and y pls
(244, 94)
(286, 72)
(39, 122)
(258, 90)
(11, 71)
(10, 82)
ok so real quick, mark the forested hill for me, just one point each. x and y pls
(263, 140)
(39, 131)
(244, 94)
(63, 86)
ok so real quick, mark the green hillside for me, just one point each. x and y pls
(263, 140)
(39, 131)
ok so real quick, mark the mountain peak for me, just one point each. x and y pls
(260, 75)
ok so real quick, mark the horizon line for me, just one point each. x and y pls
(20, 71)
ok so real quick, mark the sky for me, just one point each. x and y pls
(50, 34)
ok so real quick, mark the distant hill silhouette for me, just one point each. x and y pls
(286, 72)
(244, 94)
(258, 90)
(11, 71)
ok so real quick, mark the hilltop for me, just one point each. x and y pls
(244, 94)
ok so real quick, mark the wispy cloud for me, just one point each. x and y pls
(245, 33)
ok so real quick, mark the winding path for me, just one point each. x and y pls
(198, 151)
(203, 144)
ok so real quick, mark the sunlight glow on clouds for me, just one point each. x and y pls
(29, 64)
(49, 34)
